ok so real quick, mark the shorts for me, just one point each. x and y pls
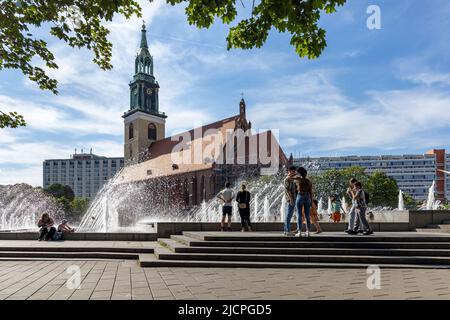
(227, 210)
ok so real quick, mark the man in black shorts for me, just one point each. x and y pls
(226, 196)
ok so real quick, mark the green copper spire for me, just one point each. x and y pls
(143, 36)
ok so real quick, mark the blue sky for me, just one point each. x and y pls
(371, 92)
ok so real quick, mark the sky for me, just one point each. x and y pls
(371, 92)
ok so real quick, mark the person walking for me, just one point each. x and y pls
(359, 196)
(290, 193)
(47, 229)
(227, 197)
(303, 200)
(243, 200)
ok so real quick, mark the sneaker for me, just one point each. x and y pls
(222, 229)
(360, 231)
(229, 229)
(307, 233)
(243, 230)
(319, 231)
(352, 232)
(368, 232)
(298, 234)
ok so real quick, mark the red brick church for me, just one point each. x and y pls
(191, 166)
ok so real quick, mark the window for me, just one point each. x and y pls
(151, 131)
(131, 131)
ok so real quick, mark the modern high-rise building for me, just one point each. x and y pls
(414, 173)
(85, 173)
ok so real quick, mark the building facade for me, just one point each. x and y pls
(149, 155)
(143, 123)
(414, 173)
(85, 173)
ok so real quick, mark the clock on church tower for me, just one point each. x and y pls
(144, 123)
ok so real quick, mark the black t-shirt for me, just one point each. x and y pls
(243, 197)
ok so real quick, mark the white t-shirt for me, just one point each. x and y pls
(228, 196)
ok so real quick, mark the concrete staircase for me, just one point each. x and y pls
(273, 250)
(436, 228)
(72, 253)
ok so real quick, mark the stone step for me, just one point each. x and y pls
(310, 244)
(71, 255)
(77, 249)
(277, 236)
(177, 247)
(432, 231)
(418, 260)
(438, 226)
(153, 262)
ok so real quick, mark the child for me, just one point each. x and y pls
(336, 207)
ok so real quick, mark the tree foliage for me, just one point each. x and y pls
(298, 17)
(383, 190)
(11, 120)
(60, 191)
(80, 23)
(74, 207)
(336, 181)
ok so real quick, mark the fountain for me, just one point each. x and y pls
(266, 210)
(401, 201)
(329, 209)
(283, 208)
(21, 205)
(320, 209)
(432, 203)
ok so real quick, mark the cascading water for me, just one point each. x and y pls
(283, 208)
(432, 203)
(401, 201)
(329, 209)
(21, 206)
(266, 209)
(320, 209)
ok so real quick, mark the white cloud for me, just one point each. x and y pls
(309, 108)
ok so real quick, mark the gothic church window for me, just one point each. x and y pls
(151, 131)
(131, 131)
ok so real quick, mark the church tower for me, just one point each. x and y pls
(143, 122)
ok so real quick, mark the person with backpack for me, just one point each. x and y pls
(226, 196)
(243, 200)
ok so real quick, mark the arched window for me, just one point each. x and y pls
(130, 131)
(151, 131)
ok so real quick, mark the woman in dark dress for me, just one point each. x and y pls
(243, 199)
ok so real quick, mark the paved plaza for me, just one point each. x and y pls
(107, 280)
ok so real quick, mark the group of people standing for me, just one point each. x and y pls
(243, 199)
(357, 214)
(299, 195)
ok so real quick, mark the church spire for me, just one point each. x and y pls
(143, 36)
